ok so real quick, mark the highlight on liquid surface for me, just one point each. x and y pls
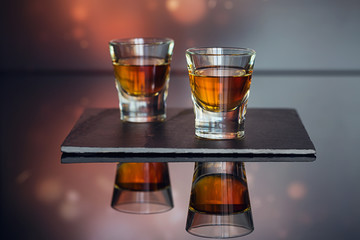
(142, 76)
(219, 88)
(142, 176)
(219, 194)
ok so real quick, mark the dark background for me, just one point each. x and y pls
(55, 62)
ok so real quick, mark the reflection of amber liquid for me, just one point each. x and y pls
(219, 194)
(141, 76)
(142, 176)
(220, 88)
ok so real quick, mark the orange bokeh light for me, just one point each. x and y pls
(79, 13)
(187, 11)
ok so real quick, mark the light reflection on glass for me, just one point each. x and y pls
(142, 188)
(219, 204)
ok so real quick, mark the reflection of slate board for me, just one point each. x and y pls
(270, 135)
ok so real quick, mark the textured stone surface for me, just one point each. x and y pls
(271, 135)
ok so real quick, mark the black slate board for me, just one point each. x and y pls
(270, 135)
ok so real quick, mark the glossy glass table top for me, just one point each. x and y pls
(44, 199)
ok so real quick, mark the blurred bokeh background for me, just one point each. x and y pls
(287, 34)
(55, 62)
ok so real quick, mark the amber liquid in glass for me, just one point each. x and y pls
(219, 194)
(142, 176)
(220, 88)
(142, 76)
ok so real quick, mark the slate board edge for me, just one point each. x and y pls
(69, 149)
(103, 158)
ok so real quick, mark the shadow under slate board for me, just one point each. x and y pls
(271, 135)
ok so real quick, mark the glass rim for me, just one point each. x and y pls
(141, 41)
(192, 230)
(231, 51)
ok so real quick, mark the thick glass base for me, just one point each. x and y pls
(141, 118)
(219, 125)
(142, 202)
(216, 133)
(219, 226)
(142, 108)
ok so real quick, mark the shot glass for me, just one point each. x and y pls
(142, 70)
(220, 81)
(219, 202)
(142, 188)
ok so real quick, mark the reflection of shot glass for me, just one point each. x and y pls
(142, 188)
(220, 81)
(142, 70)
(219, 202)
